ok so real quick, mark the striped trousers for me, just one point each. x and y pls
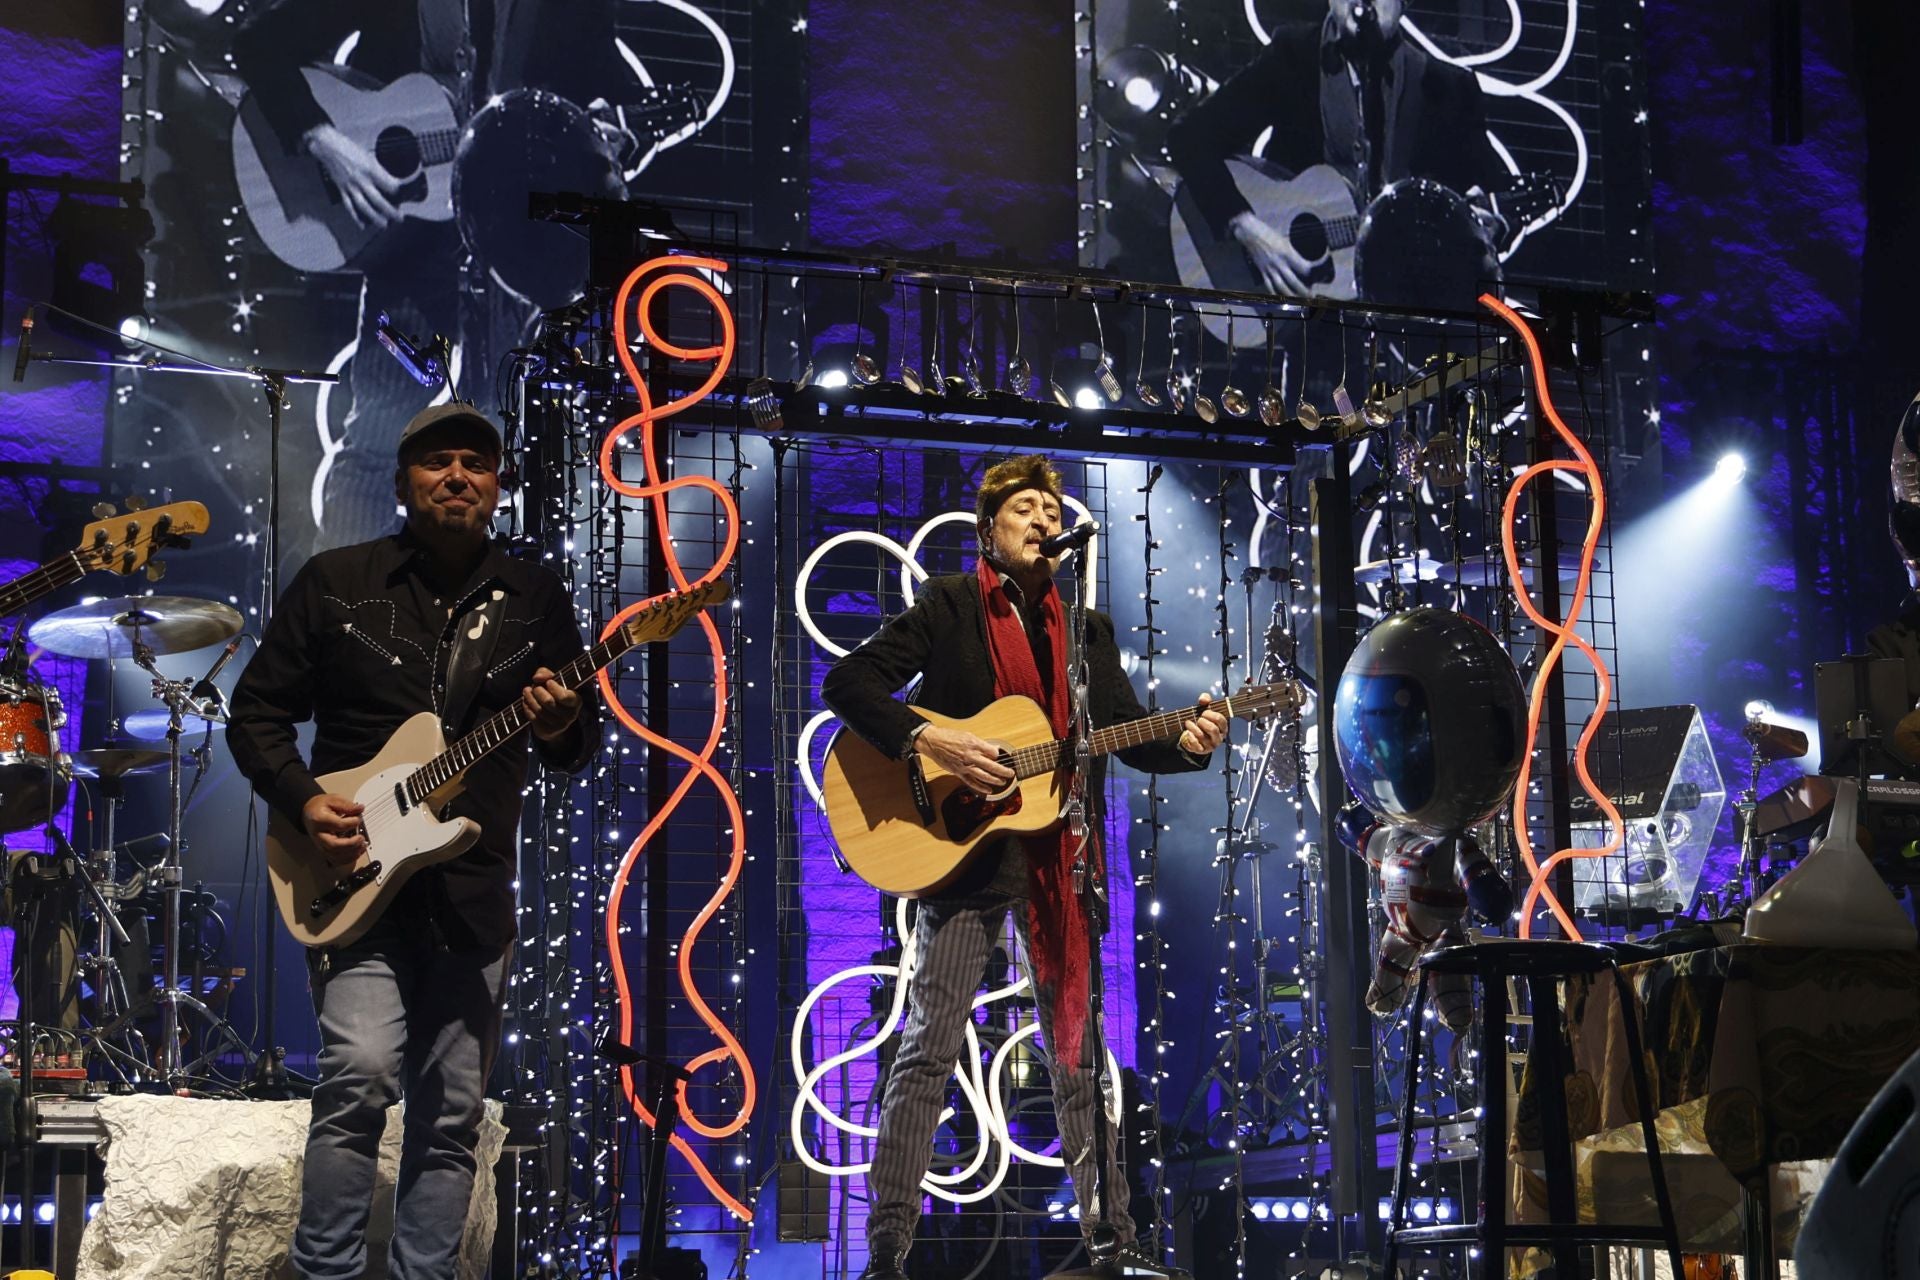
(953, 940)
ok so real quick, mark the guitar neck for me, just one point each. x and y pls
(499, 729)
(28, 587)
(1045, 757)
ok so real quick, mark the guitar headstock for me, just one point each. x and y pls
(123, 543)
(669, 613)
(1258, 701)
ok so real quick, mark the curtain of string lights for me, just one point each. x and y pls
(1242, 1153)
(583, 1209)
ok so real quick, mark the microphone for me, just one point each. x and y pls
(206, 688)
(23, 352)
(427, 366)
(1068, 539)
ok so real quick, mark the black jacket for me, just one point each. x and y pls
(943, 639)
(360, 643)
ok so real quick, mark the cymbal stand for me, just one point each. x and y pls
(113, 1006)
(177, 696)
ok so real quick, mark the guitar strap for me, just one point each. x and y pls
(474, 637)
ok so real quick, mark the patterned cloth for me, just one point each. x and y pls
(1762, 1056)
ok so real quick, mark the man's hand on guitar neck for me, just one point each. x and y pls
(363, 182)
(333, 824)
(1200, 735)
(966, 756)
(550, 705)
(1271, 256)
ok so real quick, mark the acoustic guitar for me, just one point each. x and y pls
(408, 784)
(909, 828)
(410, 126)
(1321, 218)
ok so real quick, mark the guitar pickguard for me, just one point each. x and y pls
(965, 812)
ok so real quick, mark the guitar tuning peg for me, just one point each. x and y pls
(136, 503)
(102, 510)
(156, 570)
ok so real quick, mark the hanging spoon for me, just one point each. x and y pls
(1232, 398)
(936, 380)
(760, 398)
(1176, 381)
(865, 371)
(1203, 404)
(975, 384)
(1019, 370)
(1304, 413)
(1141, 387)
(909, 376)
(1273, 405)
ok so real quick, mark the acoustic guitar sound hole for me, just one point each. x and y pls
(965, 812)
(1308, 235)
(398, 151)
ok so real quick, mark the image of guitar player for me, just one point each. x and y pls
(359, 155)
(973, 639)
(379, 644)
(1356, 109)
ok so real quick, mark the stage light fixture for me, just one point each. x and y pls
(1088, 398)
(831, 379)
(1729, 471)
(1758, 709)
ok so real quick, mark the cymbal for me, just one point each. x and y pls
(118, 762)
(106, 628)
(1491, 571)
(1399, 569)
(151, 725)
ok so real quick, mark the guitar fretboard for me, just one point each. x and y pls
(51, 576)
(656, 622)
(500, 727)
(436, 146)
(1045, 757)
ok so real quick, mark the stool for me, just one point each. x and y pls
(1540, 964)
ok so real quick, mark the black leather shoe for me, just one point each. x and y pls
(1132, 1259)
(884, 1264)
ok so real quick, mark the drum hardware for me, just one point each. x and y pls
(177, 696)
(1766, 743)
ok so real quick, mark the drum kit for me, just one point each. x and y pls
(36, 777)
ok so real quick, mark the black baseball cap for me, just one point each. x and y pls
(454, 415)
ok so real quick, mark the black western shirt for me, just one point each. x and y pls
(359, 644)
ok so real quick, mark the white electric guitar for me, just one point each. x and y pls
(326, 904)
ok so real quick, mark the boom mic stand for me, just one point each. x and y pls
(1103, 1242)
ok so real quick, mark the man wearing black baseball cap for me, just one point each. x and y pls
(434, 617)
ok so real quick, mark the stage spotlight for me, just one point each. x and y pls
(1727, 473)
(1088, 398)
(1758, 709)
(1262, 1209)
(1300, 1209)
(831, 379)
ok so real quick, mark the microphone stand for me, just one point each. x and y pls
(1103, 1241)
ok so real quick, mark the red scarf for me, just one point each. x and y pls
(1056, 926)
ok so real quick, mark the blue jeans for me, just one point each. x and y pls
(398, 1017)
